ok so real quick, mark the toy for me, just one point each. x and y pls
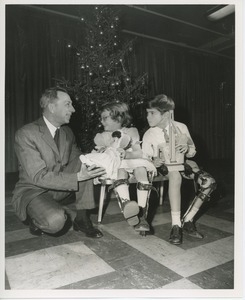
(108, 157)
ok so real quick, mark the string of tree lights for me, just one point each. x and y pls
(102, 73)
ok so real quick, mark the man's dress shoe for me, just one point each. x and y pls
(85, 225)
(34, 230)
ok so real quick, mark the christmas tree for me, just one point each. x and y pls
(103, 73)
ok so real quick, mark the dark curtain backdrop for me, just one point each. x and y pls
(36, 53)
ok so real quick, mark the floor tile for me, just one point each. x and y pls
(200, 258)
(151, 246)
(7, 286)
(124, 260)
(161, 218)
(113, 207)
(181, 284)
(220, 277)
(218, 223)
(112, 281)
(18, 235)
(148, 275)
(219, 251)
(13, 223)
(210, 234)
(42, 242)
(54, 267)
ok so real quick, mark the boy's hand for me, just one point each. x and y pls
(157, 161)
(182, 148)
(90, 172)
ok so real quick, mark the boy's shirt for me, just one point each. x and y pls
(155, 136)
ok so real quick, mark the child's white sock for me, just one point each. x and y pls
(123, 191)
(176, 218)
(142, 195)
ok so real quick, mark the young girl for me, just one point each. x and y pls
(115, 116)
(158, 111)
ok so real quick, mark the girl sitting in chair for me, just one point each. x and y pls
(115, 117)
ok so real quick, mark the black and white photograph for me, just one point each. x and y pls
(122, 134)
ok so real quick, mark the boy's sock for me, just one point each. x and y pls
(175, 218)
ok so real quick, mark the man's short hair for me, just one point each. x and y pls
(50, 95)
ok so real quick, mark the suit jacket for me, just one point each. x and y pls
(42, 166)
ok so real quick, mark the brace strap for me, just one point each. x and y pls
(188, 169)
(146, 187)
(205, 180)
(118, 182)
(196, 175)
(203, 197)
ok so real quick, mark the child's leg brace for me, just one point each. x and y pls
(143, 225)
(130, 209)
(206, 185)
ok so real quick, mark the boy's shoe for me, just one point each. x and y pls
(34, 230)
(189, 228)
(176, 235)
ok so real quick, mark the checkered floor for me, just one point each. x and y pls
(123, 259)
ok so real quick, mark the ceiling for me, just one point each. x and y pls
(185, 26)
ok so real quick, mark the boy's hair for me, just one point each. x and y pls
(50, 95)
(162, 103)
(119, 111)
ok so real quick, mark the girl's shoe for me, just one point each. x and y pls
(143, 225)
(130, 210)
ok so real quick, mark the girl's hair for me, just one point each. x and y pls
(119, 111)
(162, 103)
(50, 95)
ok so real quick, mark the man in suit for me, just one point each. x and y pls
(50, 170)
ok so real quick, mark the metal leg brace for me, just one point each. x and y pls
(206, 185)
(143, 225)
(129, 209)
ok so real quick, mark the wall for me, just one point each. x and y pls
(36, 53)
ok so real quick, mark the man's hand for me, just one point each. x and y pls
(122, 152)
(100, 149)
(90, 172)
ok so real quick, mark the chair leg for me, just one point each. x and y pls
(161, 190)
(101, 202)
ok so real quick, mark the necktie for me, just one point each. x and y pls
(166, 135)
(57, 138)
